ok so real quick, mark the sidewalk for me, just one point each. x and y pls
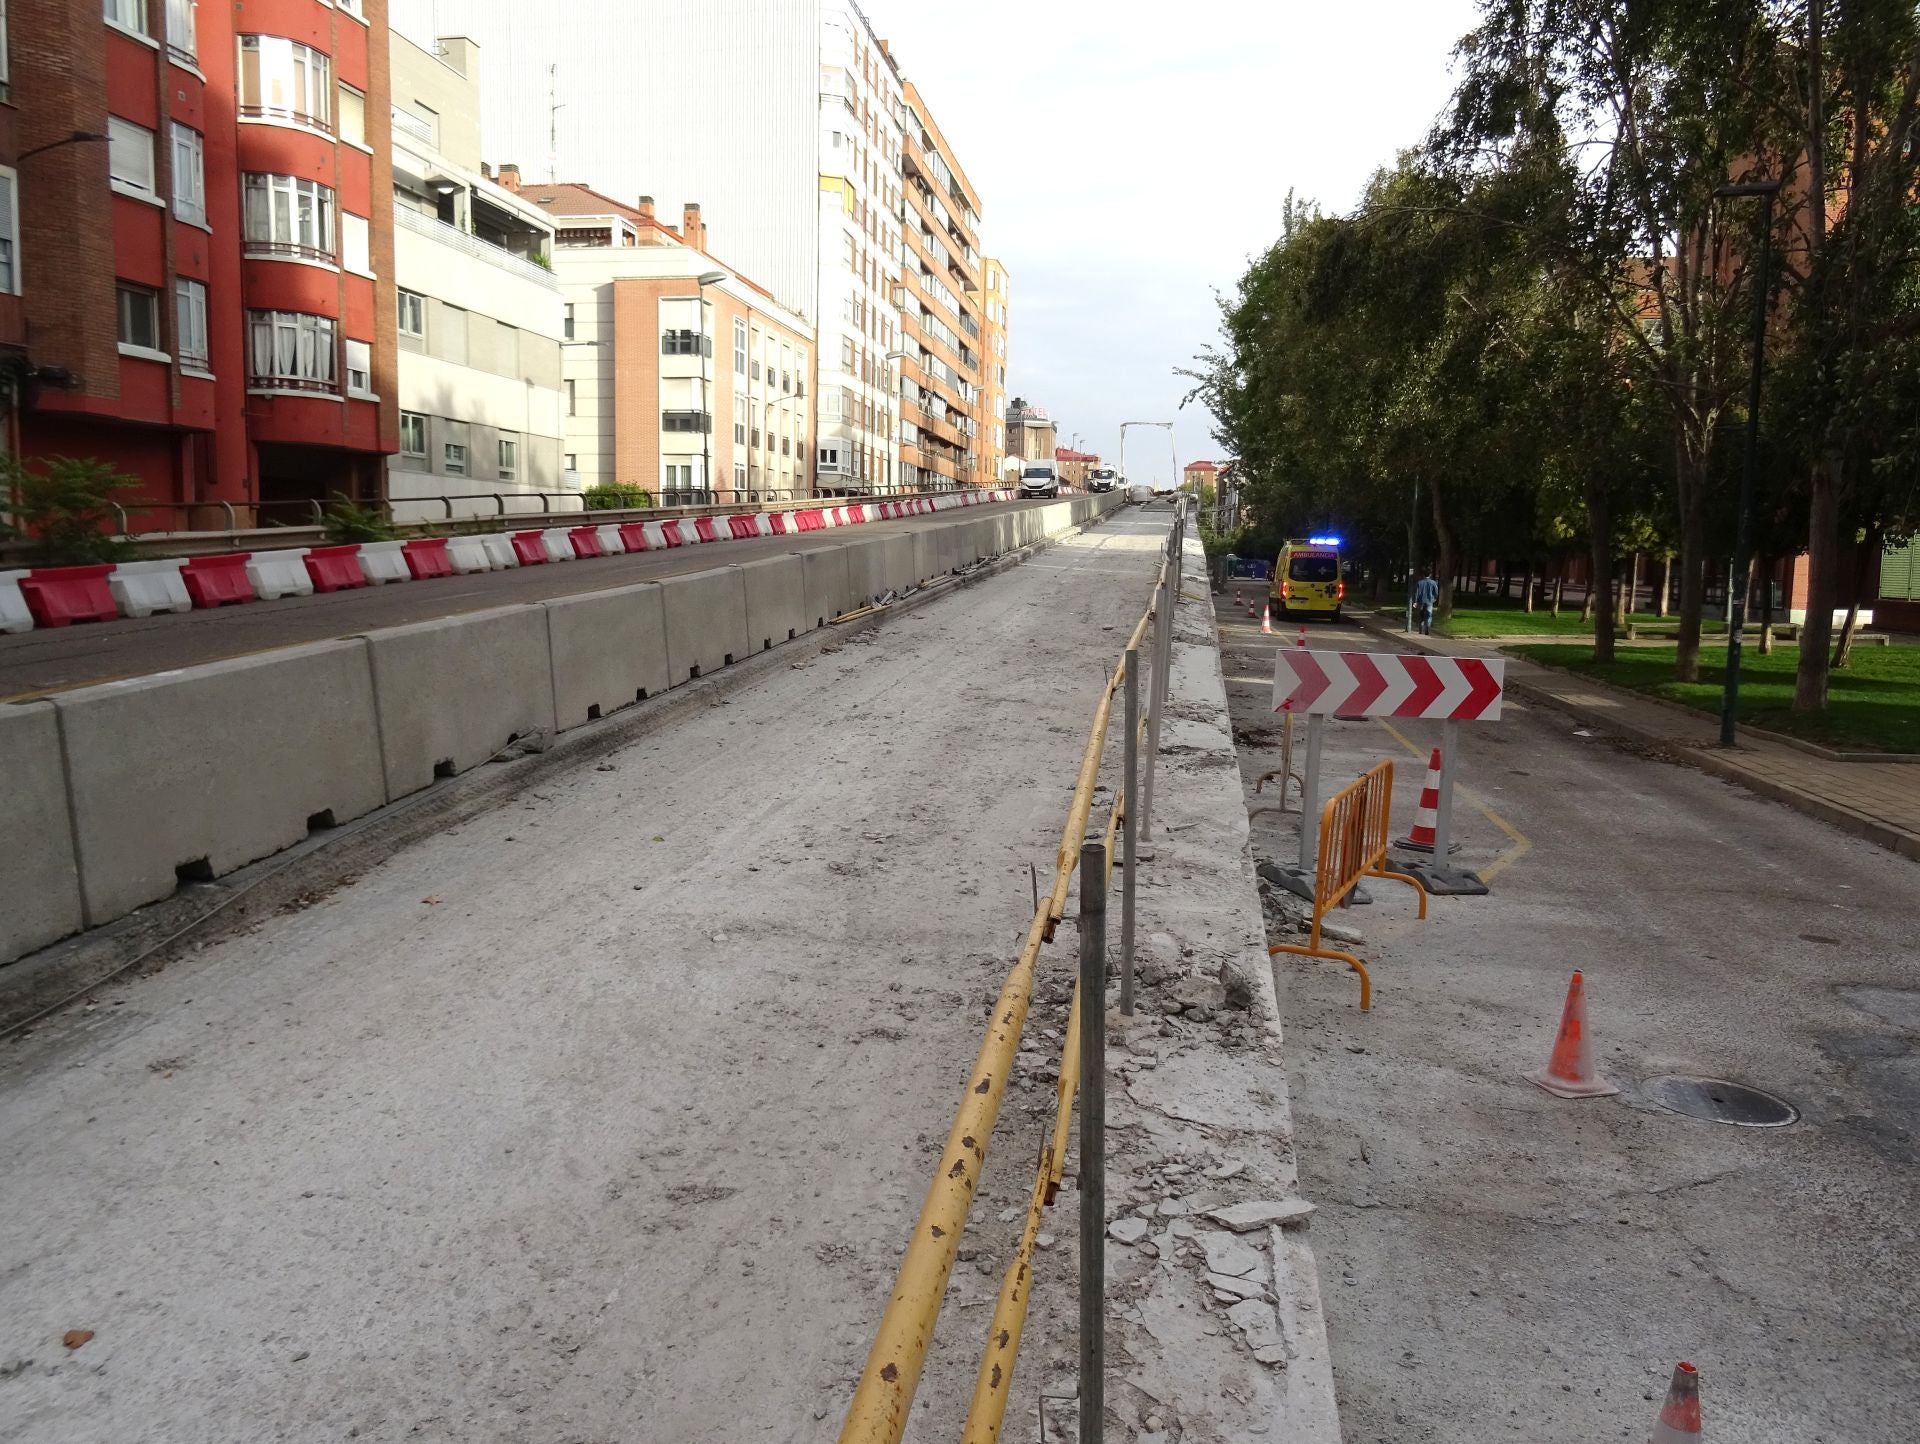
(1878, 801)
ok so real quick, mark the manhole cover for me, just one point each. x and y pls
(1719, 1101)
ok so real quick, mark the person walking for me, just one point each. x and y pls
(1426, 596)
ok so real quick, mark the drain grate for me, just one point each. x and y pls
(1717, 1100)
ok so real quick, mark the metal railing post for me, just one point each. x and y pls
(1129, 837)
(1162, 630)
(1093, 1140)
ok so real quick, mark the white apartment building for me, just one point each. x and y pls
(479, 308)
(784, 119)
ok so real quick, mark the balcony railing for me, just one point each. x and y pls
(438, 231)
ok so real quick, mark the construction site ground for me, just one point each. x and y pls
(605, 1115)
(1500, 1263)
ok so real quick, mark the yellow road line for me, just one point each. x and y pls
(1522, 844)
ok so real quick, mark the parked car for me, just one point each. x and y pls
(1039, 478)
(1139, 492)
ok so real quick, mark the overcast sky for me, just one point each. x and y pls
(1131, 157)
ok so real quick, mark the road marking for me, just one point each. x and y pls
(1522, 844)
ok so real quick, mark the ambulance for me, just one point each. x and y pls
(1306, 579)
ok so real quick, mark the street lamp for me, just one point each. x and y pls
(1743, 522)
(76, 138)
(706, 279)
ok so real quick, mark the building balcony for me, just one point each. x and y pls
(438, 231)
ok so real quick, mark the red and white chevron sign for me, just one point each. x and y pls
(1383, 684)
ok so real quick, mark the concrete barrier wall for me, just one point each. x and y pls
(208, 768)
(453, 692)
(706, 622)
(608, 651)
(776, 601)
(117, 792)
(40, 901)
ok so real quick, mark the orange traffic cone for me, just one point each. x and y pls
(1569, 1072)
(1266, 619)
(1679, 1419)
(1420, 837)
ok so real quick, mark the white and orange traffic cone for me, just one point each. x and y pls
(1679, 1421)
(1266, 619)
(1420, 837)
(1570, 1072)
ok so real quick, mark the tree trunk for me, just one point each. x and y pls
(1586, 603)
(1444, 558)
(1843, 649)
(1559, 585)
(1693, 551)
(1599, 531)
(1816, 634)
(1629, 584)
(1765, 568)
(1529, 593)
(1665, 594)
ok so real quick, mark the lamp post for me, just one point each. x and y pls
(704, 280)
(78, 137)
(1743, 521)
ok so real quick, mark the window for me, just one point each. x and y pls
(739, 418)
(287, 216)
(189, 174)
(129, 156)
(356, 252)
(572, 399)
(190, 324)
(694, 421)
(181, 44)
(9, 225)
(353, 115)
(353, 8)
(453, 458)
(739, 347)
(739, 477)
(830, 458)
(566, 322)
(284, 80)
(139, 318)
(509, 460)
(756, 368)
(413, 434)
(359, 368)
(846, 353)
(680, 343)
(413, 314)
(290, 351)
(128, 15)
(676, 478)
(572, 461)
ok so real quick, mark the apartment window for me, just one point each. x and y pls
(9, 221)
(356, 245)
(287, 216)
(739, 477)
(739, 347)
(359, 368)
(181, 42)
(284, 80)
(572, 461)
(786, 382)
(129, 156)
(413, 434)
(572, 399)
(846, 353)
(190, 324)
(189, 174)
(681, 343)
(130, 15)
(355, 8)
(291, 351)
(676, 478)
(756, 368)
(509, 460)
(739, 418)
(139, 312)
(566, 322)
(830, 458)
(353, 115)
(413, 313)
(756, 438)
(453, 458)
(694, 421)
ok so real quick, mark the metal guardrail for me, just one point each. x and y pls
(884, 1396)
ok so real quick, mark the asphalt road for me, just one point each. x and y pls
(603, 1117)
(1499, 1263)
(54, 659)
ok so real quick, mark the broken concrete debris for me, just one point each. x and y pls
(1262, 1213)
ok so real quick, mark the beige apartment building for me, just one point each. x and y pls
(681, 376)
(1032, 435)
(993, 371)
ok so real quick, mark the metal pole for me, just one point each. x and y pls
(1443, 823)
(1743, 526)
(1310, 791)
(1129, 824)
(1093, 1140)
(1162, 637)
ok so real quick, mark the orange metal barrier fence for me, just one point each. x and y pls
(1353, 845)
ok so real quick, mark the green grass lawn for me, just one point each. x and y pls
(1476, 616)
(1872, 706)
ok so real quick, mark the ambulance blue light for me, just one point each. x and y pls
(1323, 541)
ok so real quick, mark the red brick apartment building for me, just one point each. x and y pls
(196, 248)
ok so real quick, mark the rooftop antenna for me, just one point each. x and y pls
(554, 107)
